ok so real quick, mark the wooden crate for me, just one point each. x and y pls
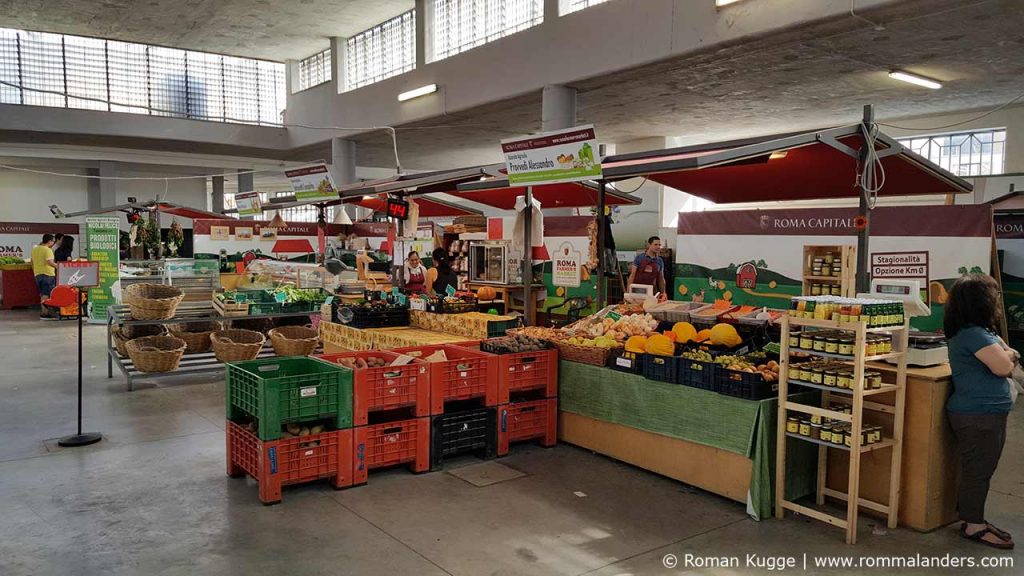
(225, 308)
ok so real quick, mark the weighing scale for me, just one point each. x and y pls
(639, 293)
(926, 348)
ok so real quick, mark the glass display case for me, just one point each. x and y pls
(198, 279)
(273, 273)
(488, 262)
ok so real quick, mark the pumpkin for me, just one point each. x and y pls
(659, 344)
(670, 335)
(725, 335)
(684, 332)
(703, 335)
(636, 344)
(486, 293)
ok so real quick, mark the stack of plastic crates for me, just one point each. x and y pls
(463, 401)
(289, 422)
(527, 395)
(391, 406)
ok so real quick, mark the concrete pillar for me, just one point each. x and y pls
(558, 108)
(423, 44)
(551, 10)
(217, 195)
(343, 161)
(92, 187)
(634, 224)
(245, 180)
(108, 188)
(338, 52)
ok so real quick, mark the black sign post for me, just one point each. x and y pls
(79, 275)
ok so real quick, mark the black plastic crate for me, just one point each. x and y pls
(741, 349)
(388, 318)
(461, 431)
(662, 368)
(747, 385)
(629, 362)
(697, 373)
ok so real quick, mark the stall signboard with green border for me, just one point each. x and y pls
(312, 183)
(102, 244)
(553, 157)
(248, 203)
(754, 257)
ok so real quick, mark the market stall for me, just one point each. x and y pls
(17, 283)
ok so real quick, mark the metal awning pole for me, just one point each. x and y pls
(528, 303)
(863, 284)
(602, 290)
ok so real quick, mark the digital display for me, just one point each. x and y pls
(397, 209)
(892, 289)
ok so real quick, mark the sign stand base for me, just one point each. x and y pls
(80, 439)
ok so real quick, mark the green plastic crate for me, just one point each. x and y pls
(278, 391)
(498, 328)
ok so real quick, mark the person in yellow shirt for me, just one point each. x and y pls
(45, 270)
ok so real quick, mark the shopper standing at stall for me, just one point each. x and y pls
(45, 270)
(64, 249)
(649, 269)
(441, 276)
(981, 363)
(414, 275)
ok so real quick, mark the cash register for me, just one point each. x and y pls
(925, 348)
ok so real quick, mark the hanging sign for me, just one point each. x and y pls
(78, 274)
(102, 244)
(248, 203)
(312, 183)
(561, 156)
(565, 267)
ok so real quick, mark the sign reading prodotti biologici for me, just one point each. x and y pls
(561, 156)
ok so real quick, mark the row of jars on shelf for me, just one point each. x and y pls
(834, 432)
(827, 265)
(832, 374)
(826, 290)
(838, 342)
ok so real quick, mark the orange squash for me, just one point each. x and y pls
(486, 293)
(703, 335)
(659, 344)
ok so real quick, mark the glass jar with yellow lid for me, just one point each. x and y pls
(832, 345)
(830, 378)
(846, 346)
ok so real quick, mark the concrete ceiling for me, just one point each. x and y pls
(267, 29)
(815, 76)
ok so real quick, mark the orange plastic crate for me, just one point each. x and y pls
(387, 387)
(466, 374)
(277, 463)
(391, 443)
(528, 371)
(518, 421)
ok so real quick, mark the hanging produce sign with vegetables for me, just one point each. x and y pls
(561, 156)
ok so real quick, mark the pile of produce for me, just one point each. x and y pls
(599, 342)
(769, 371)
(541, 333)
(293, 294)
(10, 260)
(515, 344)
(620, 329)
(699, 355)
(360, 363)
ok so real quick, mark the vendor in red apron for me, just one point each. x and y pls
(414, 275)
(649, 269)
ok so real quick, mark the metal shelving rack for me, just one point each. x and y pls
(856, 396)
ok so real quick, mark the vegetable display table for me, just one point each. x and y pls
(204, 362)
(719, 443)
(19, 288)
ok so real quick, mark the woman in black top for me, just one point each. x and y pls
(63, 252)
(442, 274)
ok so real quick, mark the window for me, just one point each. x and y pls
(460, 25)
(975, 153)
(570, 6)
(305, 213)
(381, 52)
(315, 70)
(44, 69)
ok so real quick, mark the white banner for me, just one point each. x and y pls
(561, 156)
(312, 183)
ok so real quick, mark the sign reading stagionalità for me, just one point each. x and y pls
(561, 156)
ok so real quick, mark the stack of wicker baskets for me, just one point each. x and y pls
(124, 334)
(234, 345)
(196, 334)
(152, 301)
(294, 340)
(155, 353)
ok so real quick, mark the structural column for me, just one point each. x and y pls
(245, 184)
(108, 188)
(343, 166)
(423, 45)
(558, 108)
(338, 54)
(217, 195)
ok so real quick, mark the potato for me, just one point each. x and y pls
(304, 431)
(293, 429)
(316, 429)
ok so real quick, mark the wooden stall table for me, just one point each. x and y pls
(509, 293)
(722, 444)
(929, 479)
(18, 286)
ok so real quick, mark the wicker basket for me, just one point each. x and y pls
(123, 334)
(235, 345)
(294, 340)
(583, 354)
(155, 353)
(196, 334)
(152, 301)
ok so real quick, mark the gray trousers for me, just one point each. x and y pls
(980, 439)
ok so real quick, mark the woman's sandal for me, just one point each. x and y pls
(979, 536)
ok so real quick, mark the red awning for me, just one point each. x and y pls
(815, 165)
(292, 246)
(429, 207)
(498, 194)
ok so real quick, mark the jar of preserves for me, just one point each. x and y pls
(838, 435)
(815, 289)
(794, 340)
(872, 380)
(844, 380)
(832, 345)
(817, 376)
(871, 347)
(846, 346)
(805, 428)
(876, 434)
(836, 290)
(792, 425)
(815, 431)
(815, 419)
(826, 433)
(819, 343)
(806, 341)
(886, 345)
(794, 372)
(830, 378)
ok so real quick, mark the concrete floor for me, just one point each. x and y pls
(153, 498)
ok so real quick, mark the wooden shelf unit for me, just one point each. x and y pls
(856, 398)
(847, 256)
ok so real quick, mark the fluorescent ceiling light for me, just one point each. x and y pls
(721, 3)
(778, 154)
(915, 79)
(421, 91)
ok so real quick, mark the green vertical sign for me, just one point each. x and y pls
(102, 243)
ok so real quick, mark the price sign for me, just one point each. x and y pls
(329, 300)
(401, 299)
(280, 297)
(450, 290)
(614, 316)
(81, 274)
